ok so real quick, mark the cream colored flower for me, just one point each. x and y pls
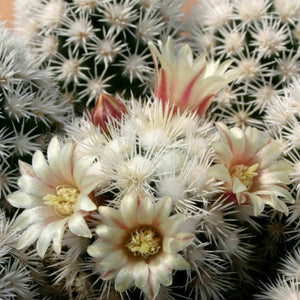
(55, 195)
(250, 165)
(185, 82)
(139, 243)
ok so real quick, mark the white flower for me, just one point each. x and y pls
(55, 195)
(139, 243)
(249, 164)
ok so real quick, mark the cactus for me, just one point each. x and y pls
(30, 107)
(97, 46)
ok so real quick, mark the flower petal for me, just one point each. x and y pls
(172, 225)
(112, 217)
(35, 186)
(177, 243)
(31, 216)
(124, 279)
(51, 231)
(29, 236)
(219, 172)
(268, 154)
(162, 210)
(238, 186)
(78, 225)
(23, 200)
(114, 260)
(84, 202)
(42, 169)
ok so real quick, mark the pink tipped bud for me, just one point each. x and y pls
(107, 107)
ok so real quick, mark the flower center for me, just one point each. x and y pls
(144, 241)
(65, 199)
(245, 174)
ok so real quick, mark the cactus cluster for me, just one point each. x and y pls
(97, 46)
(30, 107)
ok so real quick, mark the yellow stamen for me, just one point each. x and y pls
(245, 174)
(65, 199)
(144, 241)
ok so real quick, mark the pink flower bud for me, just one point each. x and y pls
(107, 107)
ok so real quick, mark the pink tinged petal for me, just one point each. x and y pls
(129, 207)
(112, 217)
(162, 273)
(53, 231)
(140, 273)
(29, 236)
(186, 94)
(83, 202)
(80, 168)
(172, 225)
(279, 205)
(257, 203)
(177, 243)
(53, 155)
(88, 184)
(219, 172)
(238, 142)
(223, 152)
(162, 210)
(224, 133)
(145, 211)
(161, 87)
(108, 233)
(43, 171)
(176, 262)
(31, 216)
(254, 140)
(204, 104)
(109, 274)
(34, 186)
(67, 162)
(23, 200)
(278, 191)
(114, 260)
(124, 279)
(26, 169)
(100, 249)
(78, 225)
(238, 186)
(278, 172)
(151, 289)
(268, 154)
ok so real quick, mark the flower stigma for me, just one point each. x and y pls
(144, 241)
(65, 199)
(245, 174)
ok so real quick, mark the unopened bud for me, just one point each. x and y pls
(107, 107)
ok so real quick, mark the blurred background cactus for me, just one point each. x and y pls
(30, 107)
(97, 46)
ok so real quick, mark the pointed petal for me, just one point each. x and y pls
(35, 186)
(84, 202)
(23, 200)
(124, 279)
(219, 172)
(114, 260)
(31, 216)
(78, 225)
(172, 225)
(162, 210)
(238, 186)
(112, 217)
(42, 169)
